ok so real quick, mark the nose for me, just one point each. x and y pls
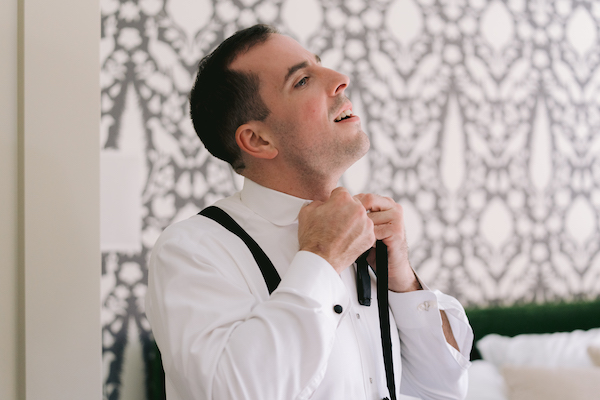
(338, 83)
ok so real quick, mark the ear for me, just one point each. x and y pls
(254, 140)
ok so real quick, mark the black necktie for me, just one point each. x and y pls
(363, 288)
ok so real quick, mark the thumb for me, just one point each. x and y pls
(308, 207)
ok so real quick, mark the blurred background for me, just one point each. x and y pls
(482, 115)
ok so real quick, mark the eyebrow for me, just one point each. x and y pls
(299, 66)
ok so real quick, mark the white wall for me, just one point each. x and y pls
(49, 178)
(8, 199)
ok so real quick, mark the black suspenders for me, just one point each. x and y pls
(267, 269)
(363, 282)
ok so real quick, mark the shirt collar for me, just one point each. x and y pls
(276, 207)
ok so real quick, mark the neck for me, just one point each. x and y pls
(296, 184)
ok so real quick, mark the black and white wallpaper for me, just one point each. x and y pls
(483, 118)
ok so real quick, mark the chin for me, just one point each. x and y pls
(365, 142)
(358, 149)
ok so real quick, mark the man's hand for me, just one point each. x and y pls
(388, 219)
(338, 229)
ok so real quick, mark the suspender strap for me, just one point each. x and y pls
(267, 269)
(384, 314)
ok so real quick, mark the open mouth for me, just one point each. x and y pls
(344, 115)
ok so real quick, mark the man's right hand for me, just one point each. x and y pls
(338, 229)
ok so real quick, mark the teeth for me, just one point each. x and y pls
(343, 115)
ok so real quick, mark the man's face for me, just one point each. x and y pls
(306, 101)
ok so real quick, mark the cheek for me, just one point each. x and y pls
(313, 113)
(313, 110)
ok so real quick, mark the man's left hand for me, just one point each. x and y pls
(388, 218)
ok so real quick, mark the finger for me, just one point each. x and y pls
(361, 199)
(383, 232)
(312, 205)
(359, 196)
(309, 208)
(374, 202)
(393, 215)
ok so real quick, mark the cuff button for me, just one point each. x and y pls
(338, 309)
(424, 306)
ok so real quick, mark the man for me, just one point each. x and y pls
(268, 107)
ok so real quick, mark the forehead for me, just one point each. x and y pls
(272, 59)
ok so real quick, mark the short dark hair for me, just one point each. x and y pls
(222, 99)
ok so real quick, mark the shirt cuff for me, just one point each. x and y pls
(414, 310)
(421, 310)
(310, 275)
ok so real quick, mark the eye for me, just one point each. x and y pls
(302, 82)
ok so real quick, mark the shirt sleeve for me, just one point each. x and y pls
(431, 368)
(212, 326)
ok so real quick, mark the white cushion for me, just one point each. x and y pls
(561, 349)
(594, 352)
(535, 383)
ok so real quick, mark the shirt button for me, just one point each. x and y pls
(338, 309)
(357, 316)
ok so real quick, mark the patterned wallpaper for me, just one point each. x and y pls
(483, 119)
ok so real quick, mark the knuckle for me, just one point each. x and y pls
(369, 197)
(340, 190)
(358, 211)
(372, 236)
(370, 225)
(342, 195)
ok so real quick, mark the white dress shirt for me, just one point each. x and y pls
(222, 336)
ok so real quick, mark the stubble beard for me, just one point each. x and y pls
(316, 164)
